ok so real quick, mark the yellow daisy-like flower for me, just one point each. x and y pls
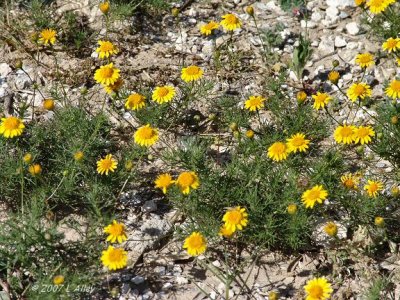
(363, 134)
(104, 7)
(11, 127)
(298, 142)
(107, 164)
(58, 279)
(106, 49)
(27, 158)
(107, 74)
(292, 209)
(379, 222)
(225, 232)
(254, 103)
(350, 181)
(114, 258)
(78, 155)
(344, 134)
(391, 45)
(393, 90)
(47, 36)
(207, 29)
(135, 102)
(230, 22)
(163, 182)
(358, 90)
(278, 151)
(331, 229)
(377, 6)
(195, 244)
(191, 73)
(314, 195)
(48, 104)
(364, 60)
(115, 87)
(373, 187)
(35, 169)
(318, 289)
(187, 181)
(301, 96)
(333, 76)
(235, 218)
(359, 2)
(146, 136)
(320, 100)
(163, 94)
(116, 232)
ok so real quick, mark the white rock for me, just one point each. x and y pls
(340, 42)
(192, 21)
(352, 28)
(181, 280)
(332, 13)
(309, 24)
(352, 45)
(271, 5)
(4, 70)
(340, 3)
(316, 16)
(327, 45)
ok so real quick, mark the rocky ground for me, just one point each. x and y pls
(160, 269)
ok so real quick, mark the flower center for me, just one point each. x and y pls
(11, 123)
(186, 179)
(135, 99)
(106, 163)
(116, 229)
(115, 255)
(359, 89)
(280, 148)
(196, 242)
(146, 133)
(316, 291)
(192, 70)
(320, 98)
(349, 183)
(298, 141)
(373, 187)
(107, 72)
(395, 85)
(347, 131)
(362, 132)
(314, 195)
(231, 19)
(106, 46)
(364, 59)
(235, 217)
(163, 91)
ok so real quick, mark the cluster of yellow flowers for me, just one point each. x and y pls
(351, 181)
(229, 22)
(185, 181)
(279, 151)
(348, 134)
(115, 258)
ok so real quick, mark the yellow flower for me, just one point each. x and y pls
(350, 181)
(78, 155)
(373, 187)
(320, 100)
(27, 158)
(301, 96)
(250, 10)
(115, 87)
(395, 191)
(186, 181)
(163, 182)
(250, 134)
(107, 74)
(235, 218)
(11, 127)
(391, 44)
(163, 94)
(292, 209)
(398, 60)
(230, 22)
(273, 296)
(128, 165)
(104, 7)
(313, 195)
(116, 232)
(107, 164)
(106, 49)
(377, 6)
(208, 28)
(35, 169)
(331, 229)
(114, 258)
(344, 134)
(195, 244)
(135, 102)
(58, 279)
(297, 142)
(254, 103)
(363, 134)
(393, 90)
(365, 60)
(318, 289)
(225, 232)
(48, 104)
(191, 73)
(278, 151)
(48, 36)
(146, 136)
(359, 2)
(379, 222)
(333, 76)
(358, 90)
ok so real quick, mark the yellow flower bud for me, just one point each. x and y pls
(395, 191)
(35, 169)
(58, 279)
(48, 104)
(379, 222)
(27, 158)
(250, 133)
(104, 7)
(301, 96)
(273, 296)
(175, 12)
(78, 155)
(233, 126)
(128, 165)
(292, 209)
(394, 120)
(331, 229)
(250, 10)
